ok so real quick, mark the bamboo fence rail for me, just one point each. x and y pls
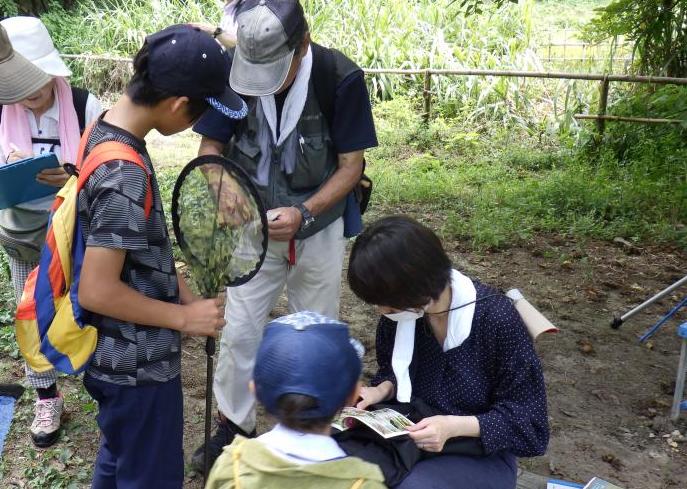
(605, 80)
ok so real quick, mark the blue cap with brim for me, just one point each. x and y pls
(308, 354)
(187, 62)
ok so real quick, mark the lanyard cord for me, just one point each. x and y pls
(427, 330)
(462, 305)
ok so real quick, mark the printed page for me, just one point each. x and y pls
(385, 422)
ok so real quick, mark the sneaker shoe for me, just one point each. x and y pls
(45, 428)
(223, 436)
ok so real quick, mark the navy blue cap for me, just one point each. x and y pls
(308, 354)
(185, 61)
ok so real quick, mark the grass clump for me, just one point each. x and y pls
(495, 187)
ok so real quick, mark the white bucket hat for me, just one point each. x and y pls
(30, 38)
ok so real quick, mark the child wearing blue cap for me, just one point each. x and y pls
(306, 370)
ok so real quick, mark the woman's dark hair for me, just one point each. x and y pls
(295, 24)
(290, 408)
(142, 92)
(398, 262)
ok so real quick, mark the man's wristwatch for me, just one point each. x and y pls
(308, 218)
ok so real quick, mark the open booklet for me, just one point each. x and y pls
(387, 423)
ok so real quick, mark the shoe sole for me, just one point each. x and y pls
(47, 440)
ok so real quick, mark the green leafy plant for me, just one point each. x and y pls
(657, 28)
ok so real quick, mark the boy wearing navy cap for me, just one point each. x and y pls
(306, 370)
(128, 280)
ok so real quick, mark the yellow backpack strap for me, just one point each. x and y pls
(358, 484)
(235, 455)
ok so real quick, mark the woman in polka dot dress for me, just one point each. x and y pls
(459, 346)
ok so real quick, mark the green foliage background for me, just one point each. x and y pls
(657, 28)
(503, 158)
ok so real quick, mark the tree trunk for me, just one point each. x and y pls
(37, 7)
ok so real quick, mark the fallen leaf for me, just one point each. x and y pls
(613, 461)
(585, 346)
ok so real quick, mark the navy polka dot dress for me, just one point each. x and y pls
(494, 375)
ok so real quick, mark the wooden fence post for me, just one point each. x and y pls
(427, 96)
(603, 104)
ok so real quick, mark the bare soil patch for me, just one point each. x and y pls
(609, 396)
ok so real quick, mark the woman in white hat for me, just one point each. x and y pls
(50, 119)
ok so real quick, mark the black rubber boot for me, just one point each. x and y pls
(223, 436)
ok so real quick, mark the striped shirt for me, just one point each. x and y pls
(111, 215)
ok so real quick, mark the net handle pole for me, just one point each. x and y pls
(210, 352)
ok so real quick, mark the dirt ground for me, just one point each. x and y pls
(609, 396)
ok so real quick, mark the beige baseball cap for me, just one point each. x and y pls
(264, 51)
(19, 78)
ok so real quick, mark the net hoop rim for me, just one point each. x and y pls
(246, 184)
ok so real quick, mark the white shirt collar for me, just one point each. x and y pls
(301, 448)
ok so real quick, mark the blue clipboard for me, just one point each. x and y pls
(18, 180)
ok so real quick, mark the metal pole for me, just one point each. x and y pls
(679, 382)
(427, 96)
(617, 321)
(603, 103)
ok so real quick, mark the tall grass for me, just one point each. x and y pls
(374, 33)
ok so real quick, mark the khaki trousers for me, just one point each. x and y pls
(313, 284)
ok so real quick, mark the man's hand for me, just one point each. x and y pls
(374, 395)
(204, 317)
(226, 38)
(55, 177)
(283, 223)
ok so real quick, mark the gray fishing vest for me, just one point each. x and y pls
(316, 157)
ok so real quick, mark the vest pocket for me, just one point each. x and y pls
(312, 155)
(247, 154)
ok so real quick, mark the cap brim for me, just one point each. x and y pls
(259, 79)
(229, 104)
(53, 65)
(19, 79)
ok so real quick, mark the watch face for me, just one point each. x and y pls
(307, 221)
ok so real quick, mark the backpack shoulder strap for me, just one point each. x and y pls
(110, 151)
(324, 79)
(80, 98)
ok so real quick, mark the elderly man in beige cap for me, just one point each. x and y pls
(41, 113)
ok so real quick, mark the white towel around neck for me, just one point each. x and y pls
(293, 105)
(459, 326)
